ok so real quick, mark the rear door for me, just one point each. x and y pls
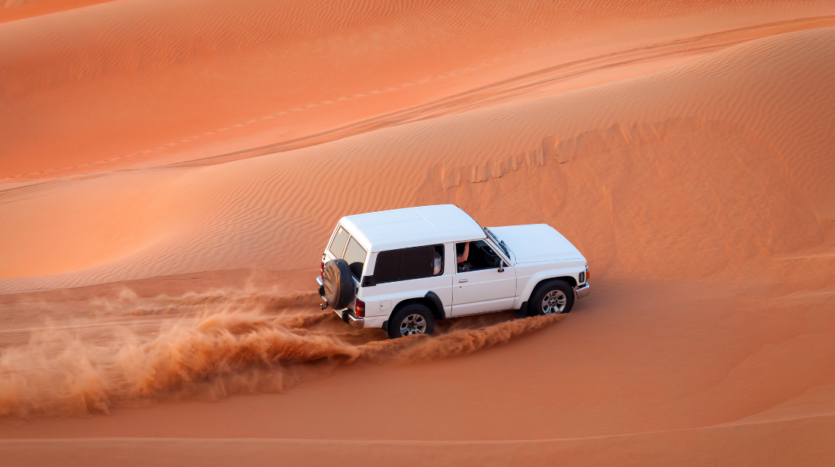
(338, 243)
(483, 288)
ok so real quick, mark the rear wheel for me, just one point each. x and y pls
(552, 298)
(411, 319)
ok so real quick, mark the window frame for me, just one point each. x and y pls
(335, 233)
(443, 259)
(495, 248)
(365, 257)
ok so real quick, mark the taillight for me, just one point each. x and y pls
(587, 273)
(322, 270)
(359, 309)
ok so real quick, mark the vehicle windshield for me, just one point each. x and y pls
(497, 241)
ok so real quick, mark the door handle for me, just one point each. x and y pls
(462, 280)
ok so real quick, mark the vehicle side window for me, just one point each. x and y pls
(338, 243)
(479, 256)
(355, 256)
(409, 263)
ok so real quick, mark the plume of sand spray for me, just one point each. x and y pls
(216, 342)
(59, 374)
(456, 343)
(238, 343)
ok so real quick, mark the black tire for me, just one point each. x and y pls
(339, 284)
(414, 318)
(560, 299)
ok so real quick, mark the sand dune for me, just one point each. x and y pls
(169, 172)
(737, 183)
(133, 65)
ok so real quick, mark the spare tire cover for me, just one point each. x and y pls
(339, 284)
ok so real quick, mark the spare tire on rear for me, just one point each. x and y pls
(339, 284)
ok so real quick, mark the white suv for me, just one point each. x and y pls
(402, 270)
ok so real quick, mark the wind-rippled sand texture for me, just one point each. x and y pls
(135, 74)
(207, 346)
(738, 184)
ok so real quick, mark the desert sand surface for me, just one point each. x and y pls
(170, 172)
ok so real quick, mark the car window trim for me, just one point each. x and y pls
(345, 250)
(498, 251)
(333, 237)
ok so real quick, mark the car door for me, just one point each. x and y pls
(483, 290)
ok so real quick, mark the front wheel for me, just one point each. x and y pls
(552, 298)
(411, 319)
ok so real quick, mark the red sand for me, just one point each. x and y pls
(167, 187)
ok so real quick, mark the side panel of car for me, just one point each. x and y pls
(485, 289)
(374, 322)
(530, 274)
(386, 297)
(381, 299)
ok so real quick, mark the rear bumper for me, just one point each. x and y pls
(581, 291)
(352, 320)
(345, 315)
(321, 288)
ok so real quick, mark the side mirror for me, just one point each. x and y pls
(501, 265)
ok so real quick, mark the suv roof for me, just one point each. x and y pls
(403, 228)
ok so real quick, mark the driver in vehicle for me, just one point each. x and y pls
(462, 257)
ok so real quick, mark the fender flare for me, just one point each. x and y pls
(439, 305)
(543, 276)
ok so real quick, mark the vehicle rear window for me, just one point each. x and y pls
(355, 256)
(409, 263)
(338, 243)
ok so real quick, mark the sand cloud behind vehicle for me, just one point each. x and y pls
(206, 346)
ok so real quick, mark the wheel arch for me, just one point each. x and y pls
(572, 282)
(430, 300)
(568, 273)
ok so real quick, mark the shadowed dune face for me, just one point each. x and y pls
(170, 172)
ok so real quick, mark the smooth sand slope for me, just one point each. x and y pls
(171, 174)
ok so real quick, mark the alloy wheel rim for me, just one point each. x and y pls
(413, 324)
(554, 302)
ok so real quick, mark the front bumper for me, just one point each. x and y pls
(581, 291)
(345, 314)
